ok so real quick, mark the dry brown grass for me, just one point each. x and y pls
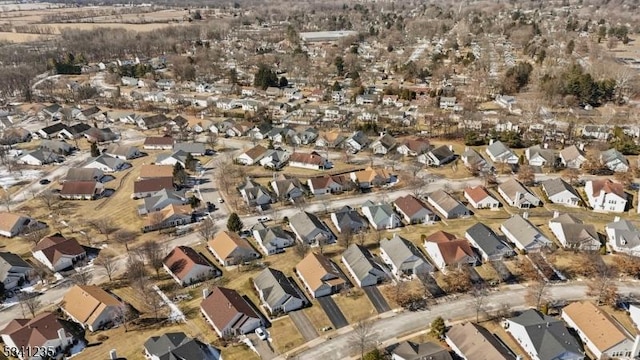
(317, 316)
(355, 306)
(285, 334)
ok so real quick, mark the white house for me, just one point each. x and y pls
(186, 266)
(403, 257)
(381, 216)
(58, 253)
(479, 198)
(277, 292)
(560, 192)
(526, 236)
(606, 195)
(92, 307)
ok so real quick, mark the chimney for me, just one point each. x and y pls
(490, 141)
(63, 337)
(636, 347)
(525, 215)
(205, 293)
(556, 214)
(113, 355)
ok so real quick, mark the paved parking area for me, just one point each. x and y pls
(333, 312)
(263, 347)
(304, 325)
(376, 298)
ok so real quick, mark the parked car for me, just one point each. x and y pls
(220, 200)
(261, 334)
(45, 182)
(263, 218)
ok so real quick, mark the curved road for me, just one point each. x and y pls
(390, 325)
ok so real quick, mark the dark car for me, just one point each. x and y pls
(45, 181)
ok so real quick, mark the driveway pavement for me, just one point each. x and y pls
(264, 347)
(333, 312)
(376, 298)
(304, 325)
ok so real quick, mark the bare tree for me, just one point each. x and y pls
(152, 302)
(82, 277)
(537, 293)
(526, 175)
(301, 249)
(479, 294)
(362, 337)
(156, 219)
(108, 262)
(29, 302)
(35, 235)
(212, 140)
(346, 237)
(104, 225)
(572, 175)
(122, 315)
(154, 254)
(136, 273)
(602, 286)
(207, 229)
(48, 199)
(124, 237)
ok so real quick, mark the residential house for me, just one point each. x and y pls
(598, 132)
(58, 253)
(538, 156)
(252, 156)
(57, 146)
(277, 293)
(437, 157)
(448, 251)
(560, 192)
(287, 188)
(52, 131)
(490, 246)
(177, 345)
(623, 236)
(414, 147)
(572, 157)
(95, 135)
(81, 190)
(106, 163)
(160, 200)
(310, 229)
(446, 205)
(229, 313)
(44, 331)
(152, 122)
(371, 177)
(364, 269)
(480, 198)
(348, 219)
(409, 350)
(366, 99)
(230, 249)
(122, 152)
(173, 158)
(51, 112)
(447, 102)
(186, 266)
(474, 161)
(356, 142)
(413, 210)
(75, 131)
(526, 236)
(14, 271)
(195, 149)
(155, 172)
(614, 160)
(148, 187)
(254, 194)
(13, 224)
(171, 215)
(327, 184)
(275, 159)
(308, 136)
(473, 342)
(403, 257)
(600, 333)
(313, 161)
(500, 153)
(272, 240)
(573, 233)
(92, 307)
(606, 195)
(158, 143)
(93, 113)
(329, 139)
(544, 337)
(383, 144)
(505, 101)
(517, 195)
(320, 275)
(82, 174)
(40, 157)
(381, 216)
(634, 314)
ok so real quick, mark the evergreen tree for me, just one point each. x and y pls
(194, 201)
(283, 82)
(234, 223)
(437, 327)
(95, 152)
(179, 175)
(265, 77)
(339, 63)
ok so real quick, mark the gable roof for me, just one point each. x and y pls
(608, 186)
(409, 350)
(83, 174)
(79, 187)
(226, 307)
(156, 171)
(8, 262)
(452, 249)
(158, 140)
(370, 174)
(410, 205)
(177, 346)
(417, 145)
(477, 343)
(442, 152)
(477, 193)
(498, 149)
(549, 336)
(523, 231)
(399, 250)
(575, 231)
(556, 186)
(312, 158)
(513, 187)
(486, 239)
(305, 223)
(9, 220)
(225, 242)
(360, 261)
(275, 287)
(153, 185)
(571, 153)
(182, 259)
(444, 200)
(56, 246)
(379, 212)
(34, 332)
(256, 152)
(595, 324)
(86, 303)
(317, 269)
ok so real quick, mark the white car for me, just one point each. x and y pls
(262, 335)
(264, 219)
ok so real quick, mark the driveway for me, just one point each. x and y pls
(264, 347)
(333, 312)
(376, 298)
(304, 325)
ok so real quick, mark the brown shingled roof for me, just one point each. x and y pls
(312, 158)
(8, 220)
(451, 248)
(78, 188)
(608, 186)
(155, 171)
(155, 184)
(55, 246)
(85, 303)
(158, 140)
(409, 205)
(224, 305)
(477, 193)
(35, 332)
(317, 269)
(595, 324)
(441, 236)
(255, 152)
(181, 259)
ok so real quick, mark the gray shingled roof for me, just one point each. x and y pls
(306, 223)
(178, 346)
(410, 350)
(8, 261)
(276, 287)
(487, 240)
(347, 216)
(524, 231)
(360, 261)
(498, 148)
(556, 186)
(549, 336)
(625, 231)
(400, 250)
(575, 231)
